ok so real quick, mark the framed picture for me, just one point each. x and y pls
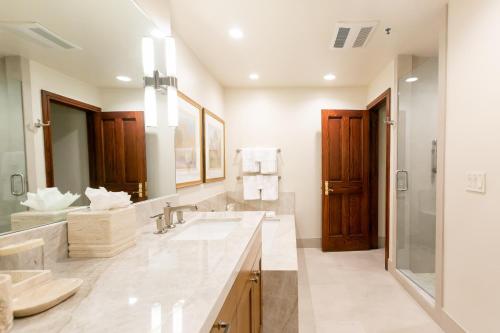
(188, 143)
(214, 140)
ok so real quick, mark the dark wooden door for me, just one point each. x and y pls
(345, 154)
(120, 146)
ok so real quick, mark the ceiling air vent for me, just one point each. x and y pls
(39, 33)
(353, 34)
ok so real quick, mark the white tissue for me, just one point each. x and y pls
(49, 199)
(101, 199)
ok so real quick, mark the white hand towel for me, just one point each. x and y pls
(269, 187)
(249, 163)
(268, 159)
(251, 188)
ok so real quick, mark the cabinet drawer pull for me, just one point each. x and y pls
(223, 325)
(255, 276)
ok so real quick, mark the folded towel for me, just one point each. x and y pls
(249, 163)
(251, 188)
(268, 159)
(269, 187)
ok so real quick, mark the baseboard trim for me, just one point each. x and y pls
(308, 243)
(438, 314)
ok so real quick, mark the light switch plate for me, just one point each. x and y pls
(476, 182)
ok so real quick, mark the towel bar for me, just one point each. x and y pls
(239, 177)
(239, 150)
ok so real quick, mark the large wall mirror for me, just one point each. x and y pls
(72, 102)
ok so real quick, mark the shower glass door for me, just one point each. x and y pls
(12, 154)
(416, 175)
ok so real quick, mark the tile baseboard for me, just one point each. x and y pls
(307, 243)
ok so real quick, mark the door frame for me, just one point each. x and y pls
(48, 98)
(375, 105)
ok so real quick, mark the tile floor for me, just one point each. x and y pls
(350, 292)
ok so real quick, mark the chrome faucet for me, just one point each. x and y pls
(168, 213)
(164, 221)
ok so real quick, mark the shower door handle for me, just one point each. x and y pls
(434, 156)
(401, 186)
(13, 185)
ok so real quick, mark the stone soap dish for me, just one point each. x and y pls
(36, 291)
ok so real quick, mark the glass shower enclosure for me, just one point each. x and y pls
(416, 174)
(13, 181)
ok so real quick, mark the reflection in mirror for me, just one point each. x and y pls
(12, 158)
(71, 106)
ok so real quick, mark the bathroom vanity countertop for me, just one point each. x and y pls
(159, 285)
(279, 244)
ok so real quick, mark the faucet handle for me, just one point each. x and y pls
(169, 204)
(180, 217)
(160, 223)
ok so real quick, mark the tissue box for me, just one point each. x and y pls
(101, 234)
(33, 218)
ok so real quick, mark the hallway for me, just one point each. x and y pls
(350, 292)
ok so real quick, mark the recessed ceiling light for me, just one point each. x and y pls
(412, 79)
(236, 33)
(253, 76)
(123, 78)
(329, 77)
(157, 33)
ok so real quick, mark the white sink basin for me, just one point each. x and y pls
(208, 229)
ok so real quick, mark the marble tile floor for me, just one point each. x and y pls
(350, 292)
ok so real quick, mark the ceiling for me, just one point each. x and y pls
(108, 32)
(287, 41)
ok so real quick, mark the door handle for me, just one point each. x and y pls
(327, 188)
(13, 185)
(139, 192)
(404, 187)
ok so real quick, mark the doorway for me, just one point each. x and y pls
(87, 147)
(70, 150)
(356, 177)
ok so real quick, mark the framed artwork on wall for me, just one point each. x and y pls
(214, 142)
(188, 143)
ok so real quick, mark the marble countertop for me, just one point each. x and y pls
(279, 244)
(159, 285)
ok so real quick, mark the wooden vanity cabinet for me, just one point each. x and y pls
(242, 310)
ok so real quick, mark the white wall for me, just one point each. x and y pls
(289, 119)
(472, 229)
(197, 83)
(383, 81)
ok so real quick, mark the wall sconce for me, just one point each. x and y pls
(155, 82)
